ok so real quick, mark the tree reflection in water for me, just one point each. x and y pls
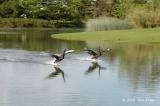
(138, 64)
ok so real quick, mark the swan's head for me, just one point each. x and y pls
(108, 49)
(85, 49)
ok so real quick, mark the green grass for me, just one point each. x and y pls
(132, 35)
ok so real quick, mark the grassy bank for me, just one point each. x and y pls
(133, 35)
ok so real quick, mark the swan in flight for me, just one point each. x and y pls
(59, 57)
(94, 54)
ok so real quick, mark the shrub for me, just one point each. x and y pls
(106, 23)
(38, 23)
(70, 24)
(144, 18)
(21, 22)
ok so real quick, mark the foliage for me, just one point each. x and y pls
(29, 22)
(74, 12)
(101, 7)
(153, 5)
(21, 22)
(106, 23)
(120, 9)
(146, 16)
(1, 1)
(57, 10)
(9, 8)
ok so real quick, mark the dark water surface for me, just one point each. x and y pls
(128, 75)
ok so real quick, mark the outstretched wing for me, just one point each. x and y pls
(91, 52)
(54, 56)
(69, 51)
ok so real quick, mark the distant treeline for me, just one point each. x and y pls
(71, 13)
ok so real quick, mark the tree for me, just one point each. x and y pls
(153, 4)
(8, 8)
(1, 1)
(120, 8)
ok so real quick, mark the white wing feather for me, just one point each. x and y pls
(69, 51)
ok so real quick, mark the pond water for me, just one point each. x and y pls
(127, 75)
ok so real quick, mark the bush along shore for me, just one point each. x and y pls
(33, 23)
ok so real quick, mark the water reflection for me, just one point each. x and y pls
(37, 40)
(138, 64)
(56, 73)
(94, 67)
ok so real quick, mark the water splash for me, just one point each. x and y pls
(88, 59)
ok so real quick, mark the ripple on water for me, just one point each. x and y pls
(10, 55)
(84, 85)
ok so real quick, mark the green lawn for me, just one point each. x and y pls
(132, 35)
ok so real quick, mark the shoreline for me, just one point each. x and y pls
(149, 35)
